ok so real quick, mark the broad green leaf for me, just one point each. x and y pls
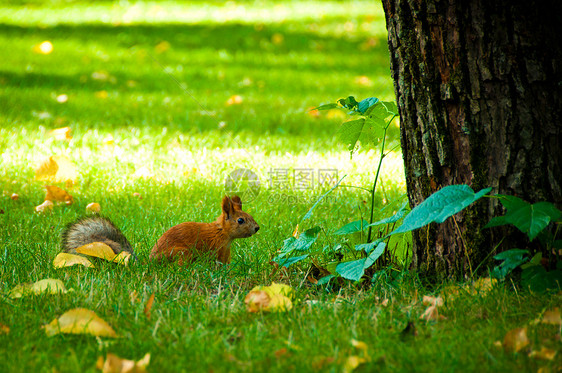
(367, 103)
(286, 262)
(305, 240)
(350, 131)
(511, 254)
(348, 102)
(325, 280)
(367, 247)
(391, 107)
(353, 227)
(355, 269)
(439, 206)
(511, 260)
(392, 219)
(530, 219)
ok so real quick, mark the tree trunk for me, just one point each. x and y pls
(479, 90)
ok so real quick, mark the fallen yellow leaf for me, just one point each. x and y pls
(68, 260)
(552, 317)
(98, 250)
(61, 134)
(4, 329)
(49, 286)
(256, 300)
(46, 206)
(279, 303)
(115, 364)
(56, 168)
(14, 196)
(80, 321)
(93, 207)
(103, 251)
(543, 354)
(54, 193)
(515, 340)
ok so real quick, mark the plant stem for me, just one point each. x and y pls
(377, 177)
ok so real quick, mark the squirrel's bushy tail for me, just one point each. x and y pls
(94, 229)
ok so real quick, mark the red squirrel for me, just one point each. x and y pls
(186, 240)
(181, 242)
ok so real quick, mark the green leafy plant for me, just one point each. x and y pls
(370, 123)
(532, 220)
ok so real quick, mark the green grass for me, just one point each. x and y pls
(147, 86)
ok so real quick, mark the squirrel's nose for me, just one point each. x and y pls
(257, 228)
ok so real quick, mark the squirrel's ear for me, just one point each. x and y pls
(237, 203)
(227, 206)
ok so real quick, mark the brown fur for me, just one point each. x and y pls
(186, 240)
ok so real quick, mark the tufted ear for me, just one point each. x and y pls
(237, 203)
(227, 207)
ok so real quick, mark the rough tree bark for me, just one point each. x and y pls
(479, 90)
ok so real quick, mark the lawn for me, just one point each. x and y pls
(164, 100)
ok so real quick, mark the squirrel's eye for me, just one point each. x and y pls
(240, 221)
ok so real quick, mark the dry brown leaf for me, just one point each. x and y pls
(281, 352)
(115, 364)
(552, 317)
(14, 197)
(432, 301)
(515, 340)
(56, 168)
(543, 354)
(56, 194)
(4, 329)
(432, 314)
(48, 285)
(63, 133)
(148, 306)
(93, 207)
(68, 260)
(80, 321)
(256, 301)
(312, 279)
(46, 206)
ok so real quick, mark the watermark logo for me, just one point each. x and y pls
(243, 183)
